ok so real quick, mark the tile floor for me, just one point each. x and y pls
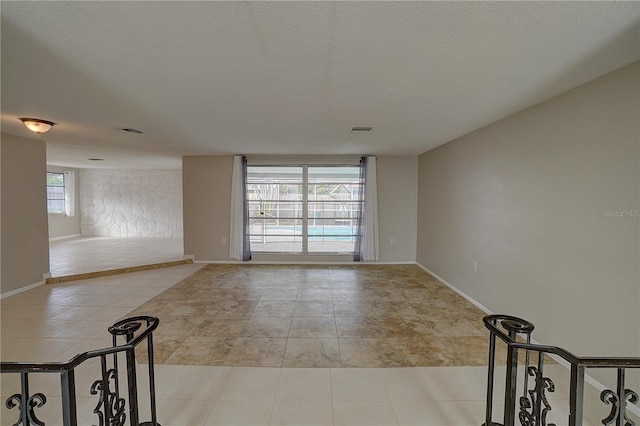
(80, 255)
(316, 316)
(57, 321)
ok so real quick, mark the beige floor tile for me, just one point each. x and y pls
(31, 299)
(195, 382)
(360, 327)
(358, 385)
(178, 326)
(302, 413)
(274, 308)
(39, 350)
(410, 384)
(219, 327)
(185, 412)
(312, 353)
(289, 294)
(432, 413)
(34, 328)
(110, 313)
(83, 329)
(240, 309)
(313, 309)
(266, 327)
(364, 413)
(314, 328)
(201, 351)
(78, 299)
(304, 385)
(257, 352)
(145, 291)
(251, 384)
(105, 300)
(240, 413)
(314, 293)
(371, 352)
(19, 312)
(16, 348)
(460, 383)
(79, 313)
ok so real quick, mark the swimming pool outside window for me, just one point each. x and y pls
(303, 208)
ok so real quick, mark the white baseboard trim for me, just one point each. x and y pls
(301, 262)
(21, 289)
(189, 257)
(593, 382)
(461, 293)
(65, 237)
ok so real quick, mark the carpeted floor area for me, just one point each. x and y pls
(316, 316)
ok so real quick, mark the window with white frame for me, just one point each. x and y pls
(303, 208)
(55, 193)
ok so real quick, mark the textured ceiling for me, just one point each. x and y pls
(291, 77)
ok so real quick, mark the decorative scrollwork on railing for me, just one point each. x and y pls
(618, 408)
(528, 405)
(34, 401)
(116, 405)
(527, 418)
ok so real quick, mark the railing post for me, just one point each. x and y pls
(68, 385)
(133, 386)
(539, 389)
(152, 380)
(511, 384)
(622, 400)
(24, 406)
(488, 421)
(576, 395)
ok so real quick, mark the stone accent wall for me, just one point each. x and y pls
(131, 203)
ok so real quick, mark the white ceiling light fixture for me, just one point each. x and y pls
(37, 125)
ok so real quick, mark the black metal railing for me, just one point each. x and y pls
(114, 406)
(533, 405)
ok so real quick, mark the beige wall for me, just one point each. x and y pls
(206, 189)
(532, 200)
(61, 225)
(25, 243)
(207, 197)
(397, 207)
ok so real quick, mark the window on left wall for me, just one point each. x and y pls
(55, 193)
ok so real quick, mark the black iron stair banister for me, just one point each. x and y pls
(113, 408)
(533, 407)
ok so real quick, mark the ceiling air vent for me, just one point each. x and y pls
(361, 129)
(131, 130)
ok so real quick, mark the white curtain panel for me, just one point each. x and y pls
(69, 193)
(237, 210)
(370, 238)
